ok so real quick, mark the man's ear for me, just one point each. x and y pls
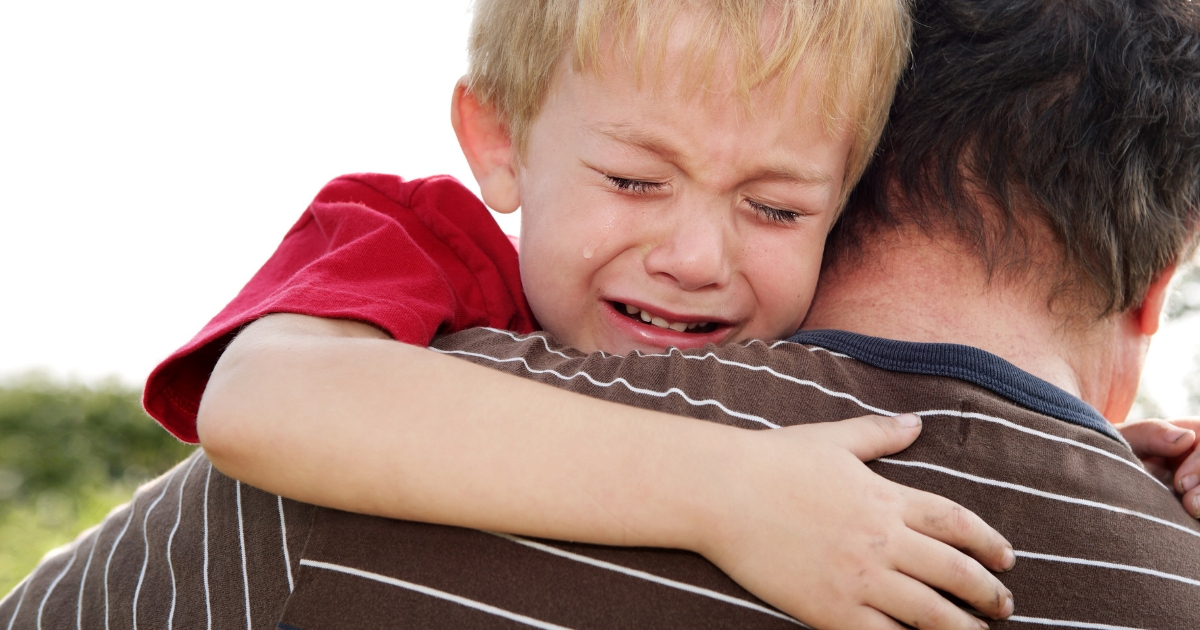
(1149, 314)
(487, 146)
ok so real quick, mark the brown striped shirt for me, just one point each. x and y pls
(1101, 544)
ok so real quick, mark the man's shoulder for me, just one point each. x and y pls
(192, 549)
(1085, 517)
(772, 384)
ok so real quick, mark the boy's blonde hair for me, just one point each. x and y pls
(862, 46)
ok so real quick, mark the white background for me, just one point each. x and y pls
(153, 154)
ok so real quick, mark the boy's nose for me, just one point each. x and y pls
(694, 255)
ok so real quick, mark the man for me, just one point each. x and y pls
(999, 272)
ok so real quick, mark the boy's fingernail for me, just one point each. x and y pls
(1189, 482)
(1175, 434)
(1196, 506)
(909, 420)
(1009, 606)
(982, 624)
(1010, 560)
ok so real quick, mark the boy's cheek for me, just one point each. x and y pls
(551, 284)
(784, 286)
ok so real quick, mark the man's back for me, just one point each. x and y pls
(1099, 541)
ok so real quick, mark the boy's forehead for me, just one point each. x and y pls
(715, 137)
(668, 79)
(687, 50)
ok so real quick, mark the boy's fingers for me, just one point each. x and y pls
(1156, 438)
(942, 567)
(864, 618)
(944, 520)
(1191, 423)
(872, 437)
(1160, 469)
(912, 603)
(1191, 502)
(1187, 474)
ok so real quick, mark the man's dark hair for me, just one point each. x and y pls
(1077, 116)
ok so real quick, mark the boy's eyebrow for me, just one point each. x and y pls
(787, 174)
(661, 147)
(626, 134)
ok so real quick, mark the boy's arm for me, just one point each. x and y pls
(1171, 450)
(334, 413)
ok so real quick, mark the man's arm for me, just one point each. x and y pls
(335, 413)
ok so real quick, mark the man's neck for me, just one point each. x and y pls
(910, 288)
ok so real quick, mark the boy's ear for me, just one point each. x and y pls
(1150, 312)
(487, 146)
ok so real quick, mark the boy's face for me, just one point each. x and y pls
(698, 214)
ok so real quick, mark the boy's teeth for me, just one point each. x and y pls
(660, 322)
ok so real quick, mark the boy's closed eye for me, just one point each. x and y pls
(635, 186)
(774, 215)
(643, 187)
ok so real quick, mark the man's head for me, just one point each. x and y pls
(1044, 132)
(676, 161)
(1040, 178)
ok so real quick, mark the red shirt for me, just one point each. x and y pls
(416, 259)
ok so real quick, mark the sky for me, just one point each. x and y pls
(152, 155)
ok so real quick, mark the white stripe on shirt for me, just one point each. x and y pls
(83, 578)
(1106, 565)
(207, 598)
(24, 586)
(650, 577)
(425, 590)
(621, 381)
(1039, 493)
(171, 539)
(137, 591)
(113, 551)
(242, 547)
(54, 585)
(287, 558)
(1067, 624)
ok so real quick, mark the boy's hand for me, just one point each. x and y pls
(812, 530)
(1171, 451)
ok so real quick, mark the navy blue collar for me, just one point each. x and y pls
(964, 363)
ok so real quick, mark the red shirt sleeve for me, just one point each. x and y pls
(416, 258)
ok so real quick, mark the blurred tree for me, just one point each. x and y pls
(1145, 406)
(70, 438)
(69, 453)
(1184, 301)
(1192, 383)
(1185, 298)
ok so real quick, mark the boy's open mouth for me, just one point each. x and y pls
(635, 313)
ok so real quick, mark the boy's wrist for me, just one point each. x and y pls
(706, 502)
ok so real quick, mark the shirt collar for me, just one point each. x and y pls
(965, 363)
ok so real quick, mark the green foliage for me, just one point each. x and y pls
(68, 454)
(30, 529)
